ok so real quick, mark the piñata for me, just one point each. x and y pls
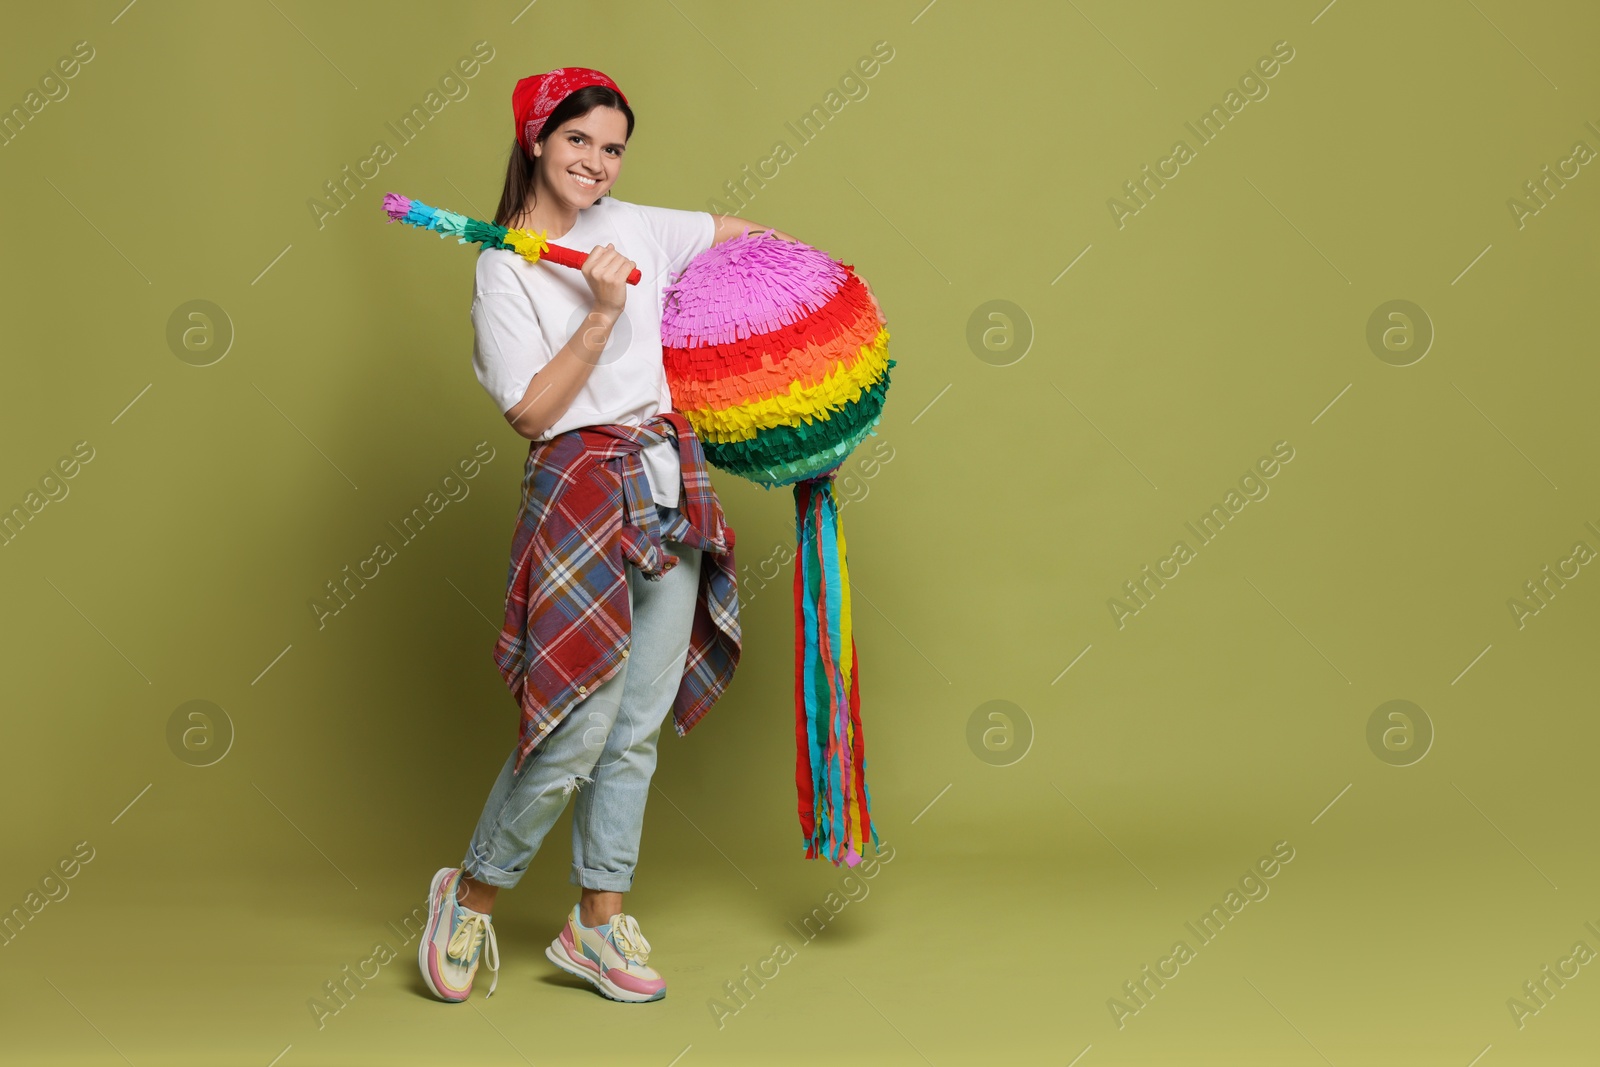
(779, 358)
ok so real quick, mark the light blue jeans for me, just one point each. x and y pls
(604, 749)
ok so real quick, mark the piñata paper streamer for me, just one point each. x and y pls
(779, 358)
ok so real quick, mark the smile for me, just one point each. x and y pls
(587, 183)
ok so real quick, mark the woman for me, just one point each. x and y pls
(621, 602)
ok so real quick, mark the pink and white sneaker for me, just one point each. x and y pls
(611, 957)
(455, 935)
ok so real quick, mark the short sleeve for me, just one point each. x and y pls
(509, 346)
(681, 235)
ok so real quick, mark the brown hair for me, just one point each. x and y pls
(521, 167)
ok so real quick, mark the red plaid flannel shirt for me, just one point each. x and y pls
(587, 513)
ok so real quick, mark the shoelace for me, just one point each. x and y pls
(468, 934)
(629, 941)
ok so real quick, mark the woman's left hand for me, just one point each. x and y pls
(732, 226)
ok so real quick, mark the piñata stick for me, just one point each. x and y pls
(531, 246)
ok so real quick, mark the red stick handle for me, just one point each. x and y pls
(568, 257)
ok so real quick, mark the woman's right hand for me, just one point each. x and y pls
(606, 270)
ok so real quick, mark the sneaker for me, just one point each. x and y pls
(449, 949)
(611, 957)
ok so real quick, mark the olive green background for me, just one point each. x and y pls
(1036, 861)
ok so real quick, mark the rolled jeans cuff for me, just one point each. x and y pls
(604, 881)
(489, 874)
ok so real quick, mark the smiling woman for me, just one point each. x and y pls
(619, 614)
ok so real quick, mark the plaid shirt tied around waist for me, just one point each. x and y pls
(587, 512)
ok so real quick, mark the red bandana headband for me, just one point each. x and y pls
(536, 97)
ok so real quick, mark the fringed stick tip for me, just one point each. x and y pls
(396, 206)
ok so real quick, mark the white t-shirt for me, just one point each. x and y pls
(523, 313)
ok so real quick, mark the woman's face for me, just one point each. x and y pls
(583, 156)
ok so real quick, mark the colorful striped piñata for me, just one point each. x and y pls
(779, 358)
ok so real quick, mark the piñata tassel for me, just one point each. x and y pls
(830, 766)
